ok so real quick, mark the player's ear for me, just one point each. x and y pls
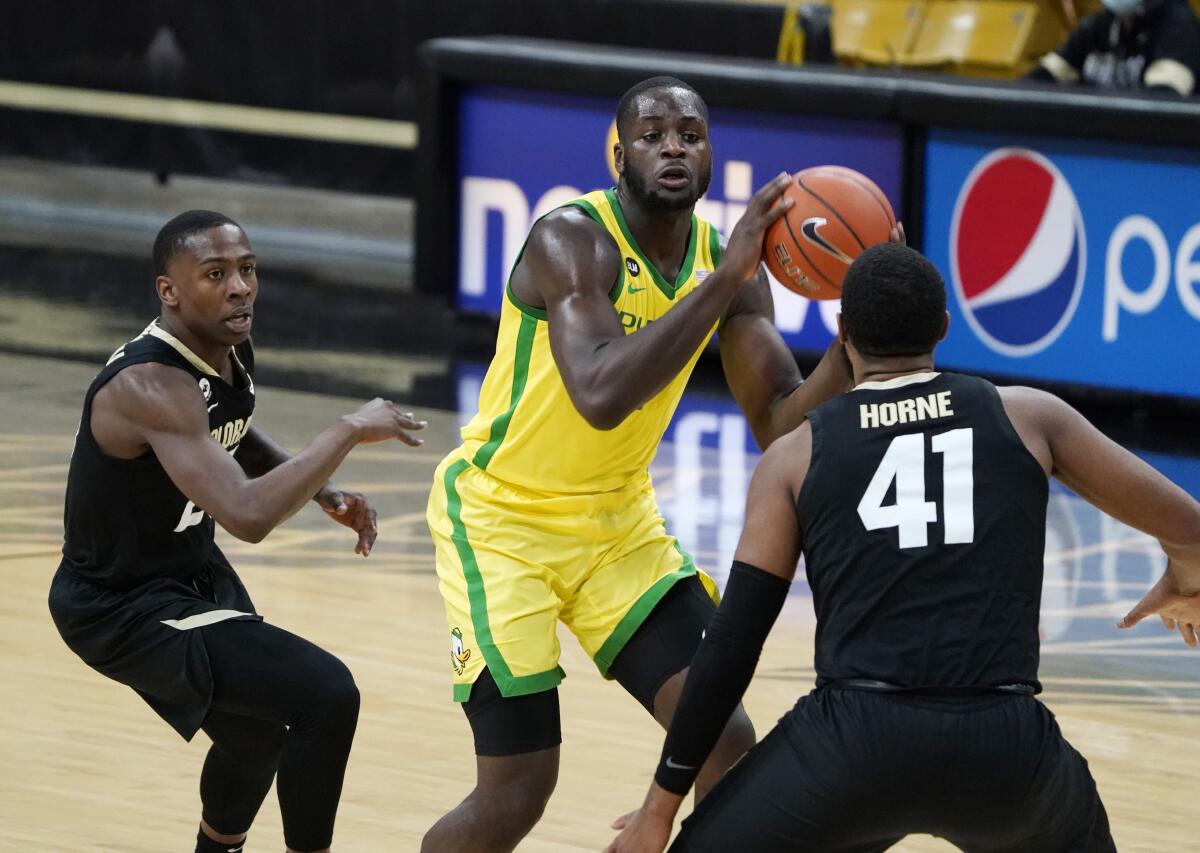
(167, 293)
(841, 330)
(945, 326)
(619, 158)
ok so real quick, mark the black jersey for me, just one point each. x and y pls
(126, 522)
(923, 520)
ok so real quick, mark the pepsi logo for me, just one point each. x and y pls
(1017, 251)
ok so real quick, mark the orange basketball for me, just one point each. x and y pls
(837, 214)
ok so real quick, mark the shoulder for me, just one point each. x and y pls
(784, 466)
(154, 395)
(798, 440)
(789, 456)
(1177, 34)
(1176, 14)
(1026, 405)
(1022, 395)
(568, 252)
(572, 229)
(1095, 27)
(1092, 34)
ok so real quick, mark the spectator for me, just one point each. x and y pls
(1130, 44)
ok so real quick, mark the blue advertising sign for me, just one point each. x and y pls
(1068, 261)
(522, 153)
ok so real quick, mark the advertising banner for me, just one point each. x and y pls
(522, 154)
(1068, 261)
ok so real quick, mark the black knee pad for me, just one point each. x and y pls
(511, 725)
(666, 641)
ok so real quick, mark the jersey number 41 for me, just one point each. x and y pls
(911, 514)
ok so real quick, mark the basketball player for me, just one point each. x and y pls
(919, 503)
(143, 594)
(546, 512)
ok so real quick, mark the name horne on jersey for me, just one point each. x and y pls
(923, 408)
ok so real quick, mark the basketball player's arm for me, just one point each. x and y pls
(258, 453)
(762, 372)
(571, 264)
(1120, 484)
(156, 407)
(763, 568)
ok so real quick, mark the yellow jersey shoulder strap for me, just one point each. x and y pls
(592, 204)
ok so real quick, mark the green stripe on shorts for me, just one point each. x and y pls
(636, 615)
(509, 684)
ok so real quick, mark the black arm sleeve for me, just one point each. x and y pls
(720, 672)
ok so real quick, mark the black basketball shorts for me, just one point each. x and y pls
(850, 771)
(145, 637)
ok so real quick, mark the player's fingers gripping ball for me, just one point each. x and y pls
(837, 214)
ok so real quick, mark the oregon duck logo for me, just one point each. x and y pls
(458, 655)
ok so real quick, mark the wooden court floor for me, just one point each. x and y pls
(85, 765)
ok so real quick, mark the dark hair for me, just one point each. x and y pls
(893, 302)
(625, 106)
(172, 236)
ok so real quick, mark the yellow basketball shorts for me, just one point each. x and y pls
(512, 563)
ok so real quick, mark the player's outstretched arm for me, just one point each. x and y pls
(156, 407)
(258, 453)
(762, 372)
(571, 264)
(1127, 488)
(764, 564)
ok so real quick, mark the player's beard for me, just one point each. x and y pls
(651, 200)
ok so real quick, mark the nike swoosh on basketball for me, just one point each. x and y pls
(812, 235)
(670, 763)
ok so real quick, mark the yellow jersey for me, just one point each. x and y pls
(528, 432)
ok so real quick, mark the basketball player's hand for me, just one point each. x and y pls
(1177, 610)
(648, 829)
(382, 420)
(897, 235)
(641, 832)
(744, 250)
(353, 510)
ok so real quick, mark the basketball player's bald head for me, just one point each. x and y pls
(641, 97)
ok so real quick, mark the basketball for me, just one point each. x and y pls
(838, 213)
